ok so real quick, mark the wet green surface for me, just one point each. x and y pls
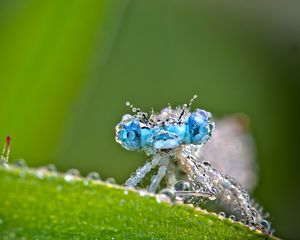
(39, 205)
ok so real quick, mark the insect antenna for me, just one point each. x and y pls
(186, 106)
(138, 111)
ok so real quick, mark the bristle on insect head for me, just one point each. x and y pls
(187, 106)
(133, 109)
(137, 111)
(192, 100)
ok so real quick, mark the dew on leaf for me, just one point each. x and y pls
(168, 193)
(93, 176)
(20, 163)
(111, 180)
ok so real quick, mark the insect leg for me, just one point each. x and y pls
(197, 174)
(203, 194)
(155, 181)
(162, 170)
(171, 175)
(229, 194)
(141, 172)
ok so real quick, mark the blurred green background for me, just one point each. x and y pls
(67, 68)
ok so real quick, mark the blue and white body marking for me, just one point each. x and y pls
(165, 131)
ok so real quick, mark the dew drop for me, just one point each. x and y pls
(93, 176)
(182, 186)
(168, 193)
(206, 164)
(242, 222)
(246, 196)
(143, 193)
(125, 192)
(134, 109)
(126, 118)
(71, 175)
(212, 197)
(22, 174)
(73, 172)
(69, 178)
(264, 224)
(254, 213)
(127, 103)
(20, 163)
(51, 167)
(252, 227)
(40, 173)
(232, 217)
(111, 180)
(221, 215)
(162, 198)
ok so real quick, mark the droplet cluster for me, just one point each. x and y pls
(229, 194)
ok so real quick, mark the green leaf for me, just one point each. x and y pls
(38, 204)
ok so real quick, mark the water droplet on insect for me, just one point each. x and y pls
(212, 197)
(169, 193)
(254, 213)
(246, 196)
(206, 164)
(242, 222)
(265, 224)
(182, 186)
(111, 180)
(20, 163)
(232, 217)
(93, 176)
(221, 215)
(126, 118)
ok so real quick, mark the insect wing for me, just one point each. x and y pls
(232, 150)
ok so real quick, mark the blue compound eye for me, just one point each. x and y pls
(129, 134)
(200, 127)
